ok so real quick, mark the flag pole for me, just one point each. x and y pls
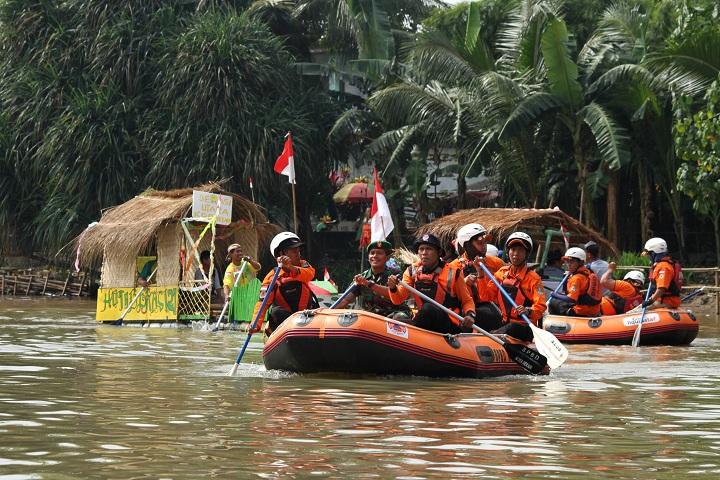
(294, 208)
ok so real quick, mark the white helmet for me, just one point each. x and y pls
(284, 240)
(469, 231)
(635, 275)
(575, 253)
(521, 237)
(491, 251)
(656, 245)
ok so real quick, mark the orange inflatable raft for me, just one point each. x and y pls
(663, 326)
(353, 341)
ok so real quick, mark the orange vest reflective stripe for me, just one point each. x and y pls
(428, 284)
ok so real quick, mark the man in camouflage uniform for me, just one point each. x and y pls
(371, 286)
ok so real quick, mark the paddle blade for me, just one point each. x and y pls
(526, 357)
(636, 335)
(548, 345)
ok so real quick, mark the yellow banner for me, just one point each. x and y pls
(154, 303)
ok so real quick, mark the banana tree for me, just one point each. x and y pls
(563, 95)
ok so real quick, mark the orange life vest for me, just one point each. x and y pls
(677, 280)
(293, 295)
(442, 290)
(515, 291)
(622, 305)
(593, 296)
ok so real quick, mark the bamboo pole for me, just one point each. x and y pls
(15, 279)
(82, 284)
(66, 284)
(47, 277)
(717, 292)
(2, 288)
(27, 290)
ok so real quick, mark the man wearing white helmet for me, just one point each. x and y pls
(472, 246)
(291, 292)
(582, 296)
(665, 275)
(522, 284)
(624, 295)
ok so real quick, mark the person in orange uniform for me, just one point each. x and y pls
(471, 242)
(523, 285)
(291, 292)
(582, 290)
(624, 295)
(665, 275)
(439, 281)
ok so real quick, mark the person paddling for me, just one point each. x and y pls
(624, 295)
(582, 291)
(292, 288)
(236, 257)
(439, 281)
(371, 286)
(523, 285)
(665, 275)
(472, 244)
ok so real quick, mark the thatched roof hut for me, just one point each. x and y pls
(150, 224)
(501, 222)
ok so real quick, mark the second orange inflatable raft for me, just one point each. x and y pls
(353, 341)
(662, 326)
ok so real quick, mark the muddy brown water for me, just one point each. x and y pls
(79, 400)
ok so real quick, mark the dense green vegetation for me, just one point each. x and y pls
(599, 107)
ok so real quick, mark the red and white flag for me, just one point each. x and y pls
(565, 235)
(251, 184)
(381, 223)
(326, 276)
(285, 163)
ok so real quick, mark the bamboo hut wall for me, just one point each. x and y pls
(169, 240)
(246, 236)
(118, 268)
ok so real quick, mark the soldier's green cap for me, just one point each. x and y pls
(385, 245)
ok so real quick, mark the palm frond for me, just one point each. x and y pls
(562, 73)
(611, 139)
(528, 111)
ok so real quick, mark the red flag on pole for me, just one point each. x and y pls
(285, 163)
(381, 223)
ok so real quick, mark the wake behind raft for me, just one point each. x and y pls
(359, 342)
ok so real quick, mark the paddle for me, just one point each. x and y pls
(254, 323)
(636, 335)
(526, 357)
(546, 343)
(342, 297)
(557, 289)
(119, 321)
(227, 301)
(693, 294)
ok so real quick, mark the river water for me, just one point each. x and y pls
(84, 401)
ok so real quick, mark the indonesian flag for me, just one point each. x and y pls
(285, 163)
(381, 223)
(326, 276)
(251, 184)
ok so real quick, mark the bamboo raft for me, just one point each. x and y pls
(44, 282)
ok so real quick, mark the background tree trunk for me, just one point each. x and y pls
(612, 203)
